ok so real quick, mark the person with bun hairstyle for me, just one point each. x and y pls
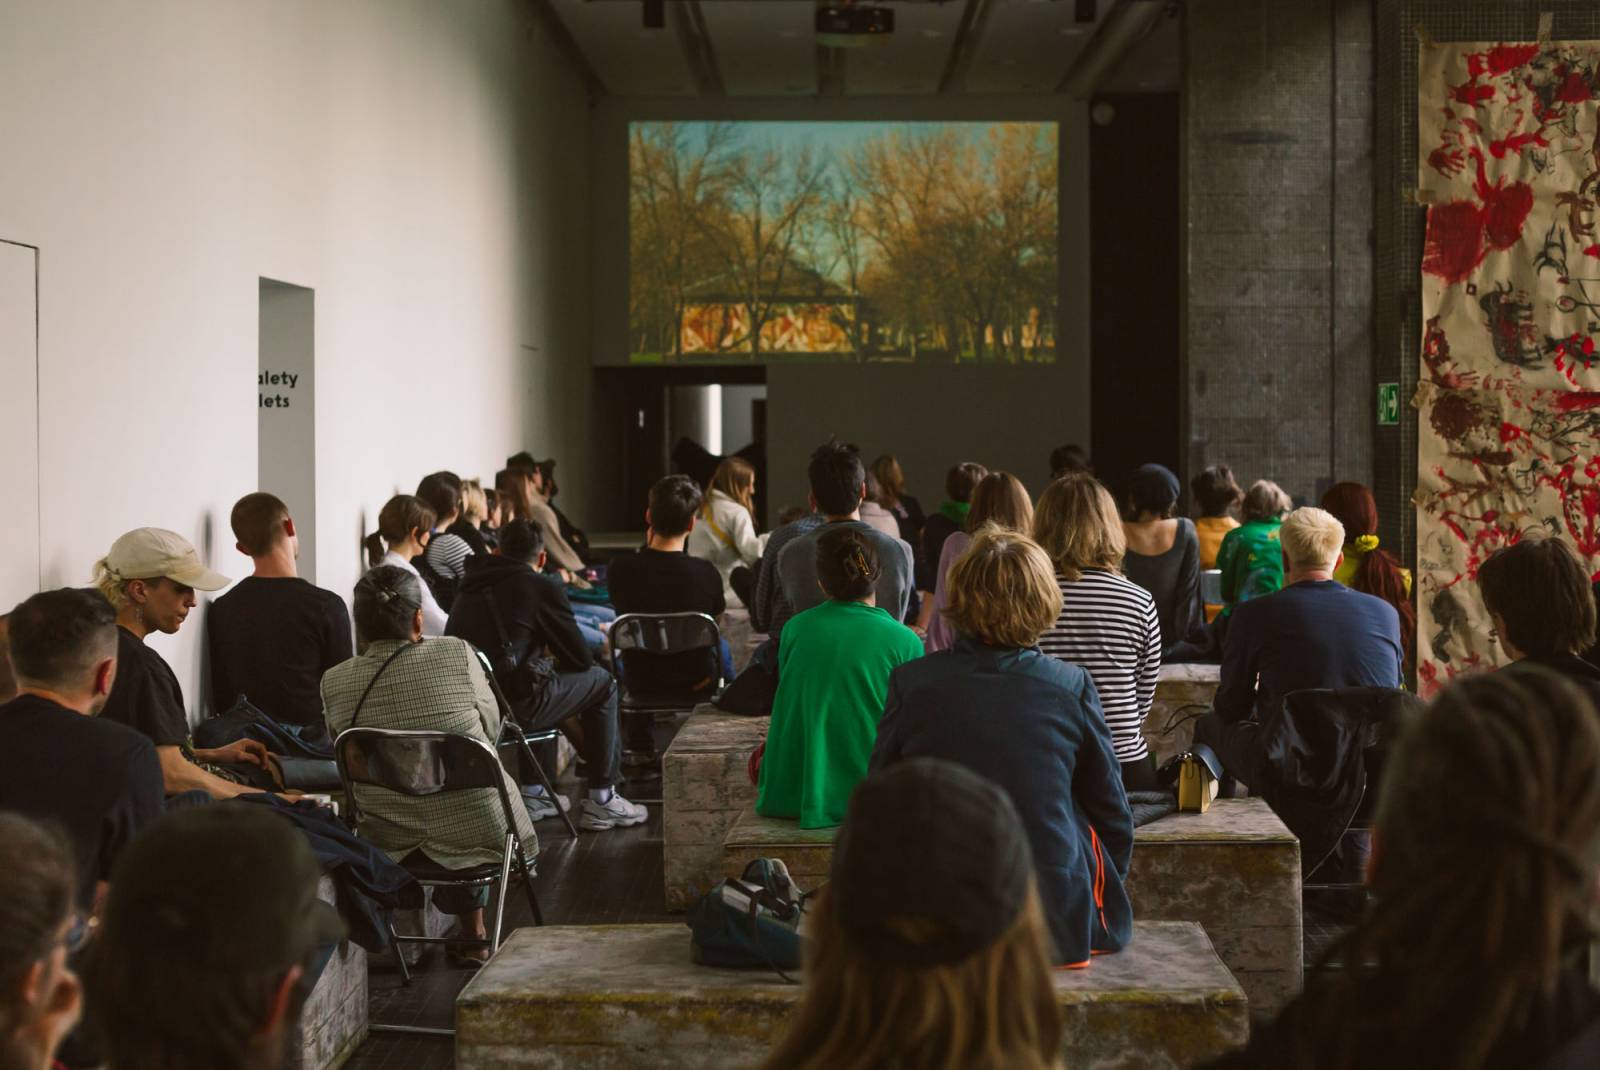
(1367, 567)
(405, 527)
(834, 664)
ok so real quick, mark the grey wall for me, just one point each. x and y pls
(930, 416)
(1277, 158)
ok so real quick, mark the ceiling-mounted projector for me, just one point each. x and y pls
(853, 26)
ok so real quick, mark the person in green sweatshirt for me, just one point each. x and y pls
(834, 662)
(1251, 558)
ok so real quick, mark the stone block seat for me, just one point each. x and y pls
(1182, 691)
(334, 1021)
(705, 784)
(1234, 869)
(617, 996)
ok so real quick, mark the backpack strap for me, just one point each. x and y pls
(390, 661)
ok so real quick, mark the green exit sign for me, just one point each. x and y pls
(1388, 404)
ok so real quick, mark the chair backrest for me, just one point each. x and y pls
(668, 658)
(664, 633)
(1211, 586)
(417, 764)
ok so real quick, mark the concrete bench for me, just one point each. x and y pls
(618, 996)
(334, 1020)
(706, 783)
(1234, 869)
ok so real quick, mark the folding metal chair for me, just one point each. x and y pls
(668, 663)
(514, 738)
(421, 764)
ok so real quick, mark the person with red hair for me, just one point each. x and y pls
(1365, 567)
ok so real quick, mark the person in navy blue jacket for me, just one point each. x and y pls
(1033, 725)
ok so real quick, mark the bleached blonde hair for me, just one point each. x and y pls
(1312, 538)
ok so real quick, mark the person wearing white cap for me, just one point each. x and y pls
(150, 577)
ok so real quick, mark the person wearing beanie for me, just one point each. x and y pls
(1163, 554)
(150, 576)
(928, 944)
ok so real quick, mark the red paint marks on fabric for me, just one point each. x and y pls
(1516, 143)
(1578, 402)
(1574, 90)
(1461, 233)
(1500, 59)
(1471, 93)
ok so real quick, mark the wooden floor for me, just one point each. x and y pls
(602, 877)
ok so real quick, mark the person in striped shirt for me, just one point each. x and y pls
(1108, 624)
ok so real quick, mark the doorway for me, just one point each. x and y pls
(285, 409)
(19, 419)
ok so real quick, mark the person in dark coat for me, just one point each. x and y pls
(1030, 723)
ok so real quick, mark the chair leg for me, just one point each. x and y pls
(527, 881)
(399, 953)
(550, 789)
(500, 894)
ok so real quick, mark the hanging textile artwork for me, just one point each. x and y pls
(1509, 394)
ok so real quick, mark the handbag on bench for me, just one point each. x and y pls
(749, 922)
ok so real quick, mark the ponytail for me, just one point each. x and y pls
(1380, 574)
(400, 516)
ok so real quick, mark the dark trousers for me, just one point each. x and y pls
(1237, 744)
(590, 696)
(1140, 774)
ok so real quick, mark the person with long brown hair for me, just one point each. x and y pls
(1032, 724)
(405, 527)
(1484, 873)
(908, 968)
(907, 511)
(1001, 499)
(726, 532)
(1367, 567)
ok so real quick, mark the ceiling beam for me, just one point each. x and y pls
(690, 23)
(551, 25)
(974, 19)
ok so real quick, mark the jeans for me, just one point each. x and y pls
(590, 696)
(589, 618)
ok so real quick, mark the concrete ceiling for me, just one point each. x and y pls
(768, 48)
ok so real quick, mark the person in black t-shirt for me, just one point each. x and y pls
(274, 635)
(150, 577)
(662, 578)
(59, 762)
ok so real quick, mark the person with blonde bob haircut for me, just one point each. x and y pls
(907, 968)
(1032, 724)
(1000, 499)
(1315, 633)
(1108, 624)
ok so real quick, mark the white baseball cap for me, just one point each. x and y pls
(146, 553)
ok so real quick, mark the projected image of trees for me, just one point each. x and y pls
(845, 241)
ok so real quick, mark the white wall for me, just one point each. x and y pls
(421, 165)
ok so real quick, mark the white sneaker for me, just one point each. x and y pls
(541, 807)
(617, 813)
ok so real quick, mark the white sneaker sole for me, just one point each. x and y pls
(597, 824)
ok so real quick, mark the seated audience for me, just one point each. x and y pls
(570, 532)
(150, 577)
(959, 483)
(213, 934)
(905, 508)
(663, 578)
(1000, 499)
(1366, 567)
(1107, 625)
(41, 924)
(726, 534)
(401, 681)
(1163, 554)
(834, 665)
(1538, 596)
(523, 621)
(927, 944)
(1033, 725)
(273, 635)
(1215, 497)
(1472, 955)
(442, 562)
(1068, 459)
(405, 525)
(1315, 633)
(99, 781)
(469, 526)
(875, 515)
(535, 493)
(838, 486)
(1250, 558)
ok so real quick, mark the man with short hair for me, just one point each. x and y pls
(1314, 633)
(516, 615)
(274, 634)
(212, 937)
(1539, 597)
(838, 487)
(99, 781)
